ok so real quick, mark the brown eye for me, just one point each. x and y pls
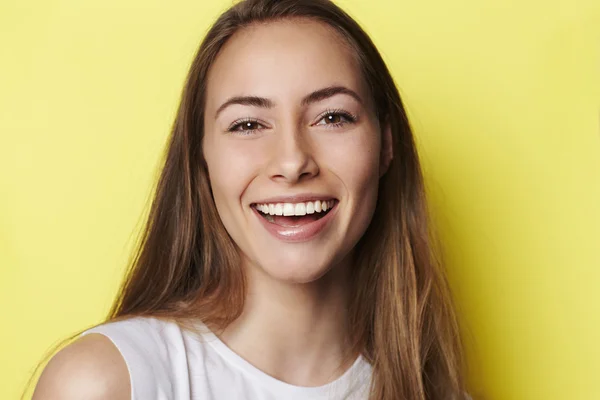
(333, 118)
(245, 127)
(336, 119)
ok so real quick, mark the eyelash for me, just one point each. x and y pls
(350, 119)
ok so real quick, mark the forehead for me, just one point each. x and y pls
(282, 60)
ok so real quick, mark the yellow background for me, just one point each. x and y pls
(504, 97)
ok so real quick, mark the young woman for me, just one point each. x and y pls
(288, 253)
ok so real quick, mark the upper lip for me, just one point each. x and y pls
(298, 198)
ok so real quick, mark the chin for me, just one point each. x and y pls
(296, 274)
(294, 268)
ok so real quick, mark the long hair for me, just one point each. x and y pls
(187, 267)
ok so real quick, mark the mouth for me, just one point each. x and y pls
(294, 215)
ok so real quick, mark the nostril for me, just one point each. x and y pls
(305, 175)
(288, 167)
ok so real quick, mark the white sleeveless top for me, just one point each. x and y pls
(166, 362)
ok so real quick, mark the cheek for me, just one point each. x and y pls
(356, 161)
(231, 167)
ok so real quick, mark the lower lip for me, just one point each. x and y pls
(299, 233)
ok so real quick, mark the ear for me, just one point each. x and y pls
(387, 149)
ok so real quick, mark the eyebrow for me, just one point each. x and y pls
(316, 96)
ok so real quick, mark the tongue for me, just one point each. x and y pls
(294, 221)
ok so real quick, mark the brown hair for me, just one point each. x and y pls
(186, 265)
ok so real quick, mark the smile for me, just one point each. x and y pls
(295, 209)
(293, 222)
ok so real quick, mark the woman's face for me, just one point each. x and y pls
(289, 130)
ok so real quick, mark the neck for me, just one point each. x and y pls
(294, 332)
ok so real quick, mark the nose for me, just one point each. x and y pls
(291, 158)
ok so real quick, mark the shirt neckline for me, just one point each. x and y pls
(353, 378)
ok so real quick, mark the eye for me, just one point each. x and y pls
(332, 118)
(336, 118)
(245, 126)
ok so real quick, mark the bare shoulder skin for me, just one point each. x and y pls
(90, 368)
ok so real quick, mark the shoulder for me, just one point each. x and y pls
(143, 357)
(91, 367)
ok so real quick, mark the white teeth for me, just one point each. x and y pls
(300, 209)
(288, 209)
(291, 209)
(318, 206)
(278, 209)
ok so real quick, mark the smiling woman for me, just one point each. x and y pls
(288, 253)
